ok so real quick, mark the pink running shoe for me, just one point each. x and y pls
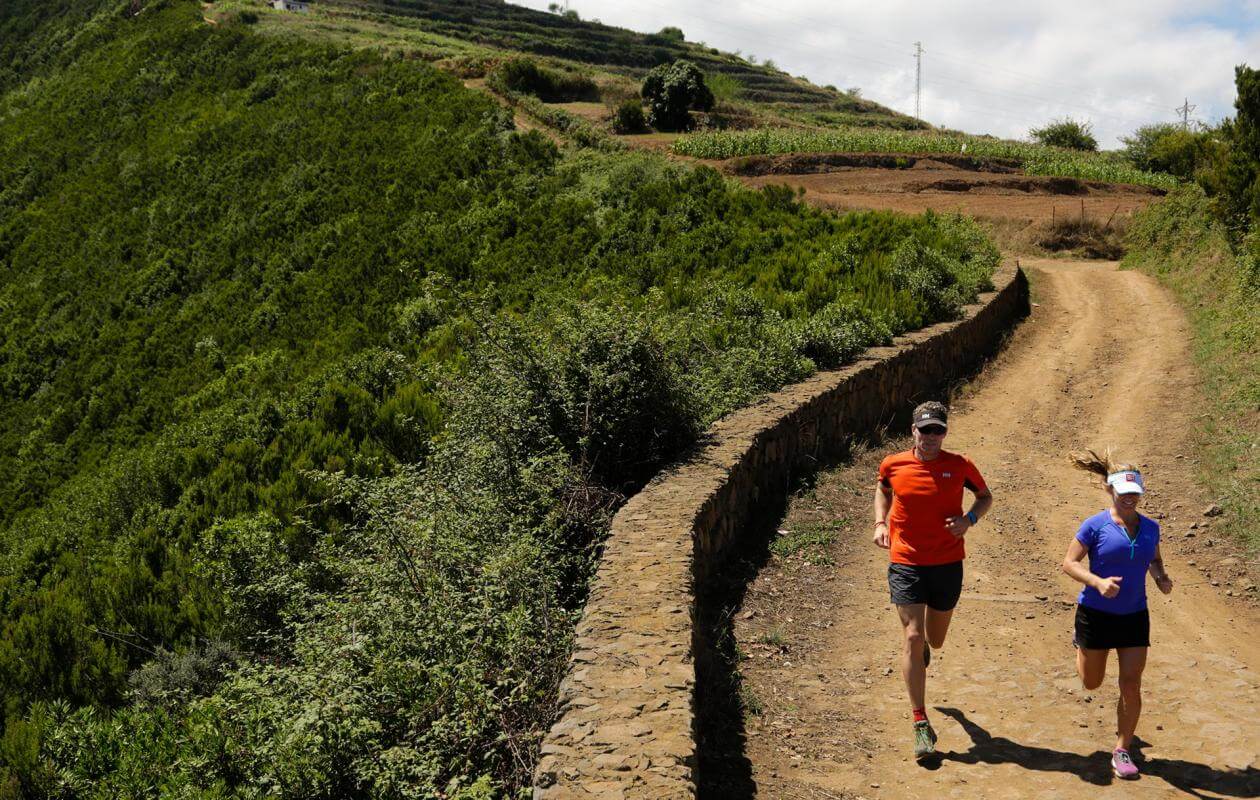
(1122, 764)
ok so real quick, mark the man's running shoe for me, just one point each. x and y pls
(1122, 764)
(924, 739)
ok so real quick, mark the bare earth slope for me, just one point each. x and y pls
(944, 188)
(1103, 360)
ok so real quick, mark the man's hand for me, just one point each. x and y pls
(881, 535)
(1164, 583)
(958, 525)
(1110, 587)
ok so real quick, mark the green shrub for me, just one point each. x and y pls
(1066, 133)
(725, 88)
(629, 117)
(1172, 149)
(672, 90)
(526, 76)
(1138, 147)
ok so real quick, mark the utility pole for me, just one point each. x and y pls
(918, 79)
(1184, 111)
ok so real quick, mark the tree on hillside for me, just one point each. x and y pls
(1168, 147)
(1241, 189)
(670, 32)
(1138, 147)
(1068, 133)
(671, 91)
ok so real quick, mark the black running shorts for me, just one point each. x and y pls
(937, 586)
(1099, 630)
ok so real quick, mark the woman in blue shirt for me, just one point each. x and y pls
(1111, 613)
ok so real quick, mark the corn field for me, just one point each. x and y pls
(1035, 159)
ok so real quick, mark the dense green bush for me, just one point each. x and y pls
(629, 117)
(1239, 187)
(672, 91)
(1138, 148)
(526, 76)
(318, 385)
(1067, 133)
(1175, 150)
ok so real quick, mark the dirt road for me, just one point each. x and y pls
(1103, 360)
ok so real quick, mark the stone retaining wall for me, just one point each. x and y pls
(627, 723)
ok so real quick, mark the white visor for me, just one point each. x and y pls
(1128, 482)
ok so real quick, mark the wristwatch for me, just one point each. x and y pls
(971, 517)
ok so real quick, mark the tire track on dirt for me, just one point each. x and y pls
(1103, 360)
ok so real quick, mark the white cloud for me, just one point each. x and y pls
(988, 67)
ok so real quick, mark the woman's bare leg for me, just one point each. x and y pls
(1091, 665)
(1132, 663)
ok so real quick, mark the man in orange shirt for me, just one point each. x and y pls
(919, 519)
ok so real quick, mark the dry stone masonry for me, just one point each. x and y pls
(627, 718)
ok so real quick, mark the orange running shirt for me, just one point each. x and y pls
(925, 494)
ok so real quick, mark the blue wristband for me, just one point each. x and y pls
(972, 518)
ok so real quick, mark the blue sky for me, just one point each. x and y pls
(988, 67)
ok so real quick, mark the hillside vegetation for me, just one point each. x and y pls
(1035, 159)
(319, 384)
(470, 36)
(1204, 242)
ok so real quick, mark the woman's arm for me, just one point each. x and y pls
(1074, 566)
(1156, 569)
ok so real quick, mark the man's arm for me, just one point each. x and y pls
(883, 502)
(984, 501)
(960, 525)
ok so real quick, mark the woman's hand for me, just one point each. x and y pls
(1164, 583)
(881, 535)
(1109, 587)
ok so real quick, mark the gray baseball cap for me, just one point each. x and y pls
(931, 413)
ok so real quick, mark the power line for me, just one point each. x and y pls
(849, 56)
(1184, 111)
(918, 78)
(1100, 114)
(818, 25)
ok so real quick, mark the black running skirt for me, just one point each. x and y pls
(1099, 630)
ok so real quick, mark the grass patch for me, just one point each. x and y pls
(749, 702)
(773, 637)
(809, 542)
(1182, 244)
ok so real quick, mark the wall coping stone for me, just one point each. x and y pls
(626, 719)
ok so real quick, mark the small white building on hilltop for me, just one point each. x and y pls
(300, 6)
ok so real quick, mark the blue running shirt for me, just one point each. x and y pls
(1112, 554)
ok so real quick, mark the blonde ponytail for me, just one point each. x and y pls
(1101, 465)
